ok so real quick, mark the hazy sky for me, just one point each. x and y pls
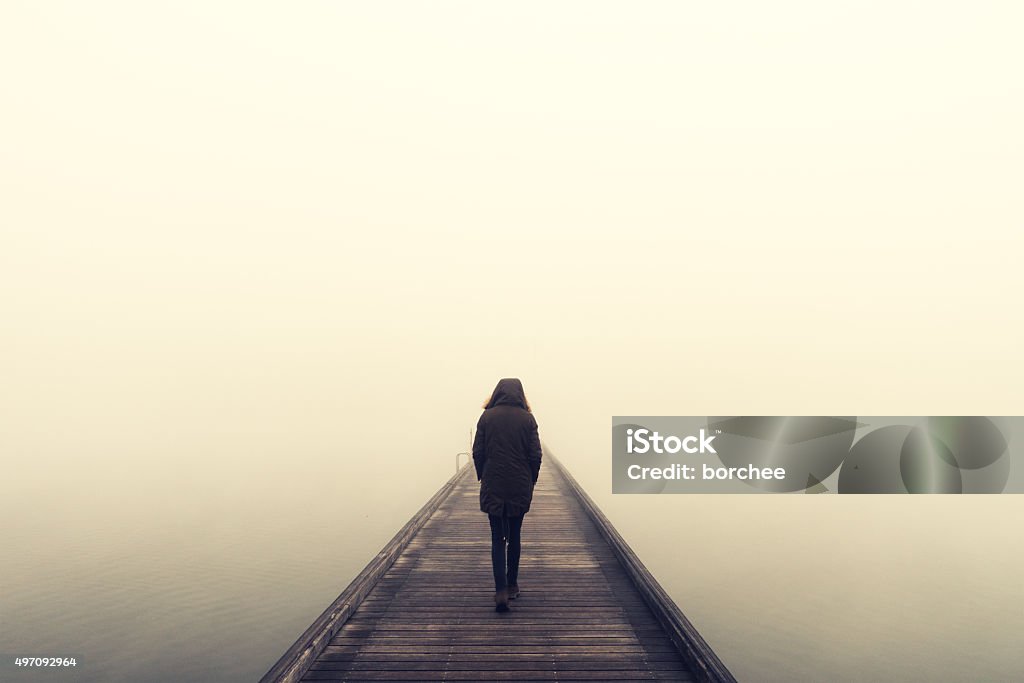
(237, 238)
(318, 224)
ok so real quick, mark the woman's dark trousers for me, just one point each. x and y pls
(505, 539)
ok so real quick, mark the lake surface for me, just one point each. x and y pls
(209, 569)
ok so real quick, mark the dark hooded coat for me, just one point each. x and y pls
(506, 452)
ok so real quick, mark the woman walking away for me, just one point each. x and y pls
(506, 453)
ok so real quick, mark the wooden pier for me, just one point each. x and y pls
(423, 609)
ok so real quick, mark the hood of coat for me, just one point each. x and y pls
(509, 392)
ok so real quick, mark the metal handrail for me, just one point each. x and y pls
(469, 456)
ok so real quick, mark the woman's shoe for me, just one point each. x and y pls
(513, 591)
(501, 600)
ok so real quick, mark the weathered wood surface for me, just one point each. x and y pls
(584, 613)
(702, 660)
(298, 658)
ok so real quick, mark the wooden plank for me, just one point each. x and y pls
(327, 659)
(489, 676)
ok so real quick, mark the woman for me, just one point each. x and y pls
(506, 453)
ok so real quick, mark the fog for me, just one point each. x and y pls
(260, 260)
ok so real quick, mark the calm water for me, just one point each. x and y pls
(208, 570)
(842, 588)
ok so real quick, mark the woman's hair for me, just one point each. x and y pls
(511, 389)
